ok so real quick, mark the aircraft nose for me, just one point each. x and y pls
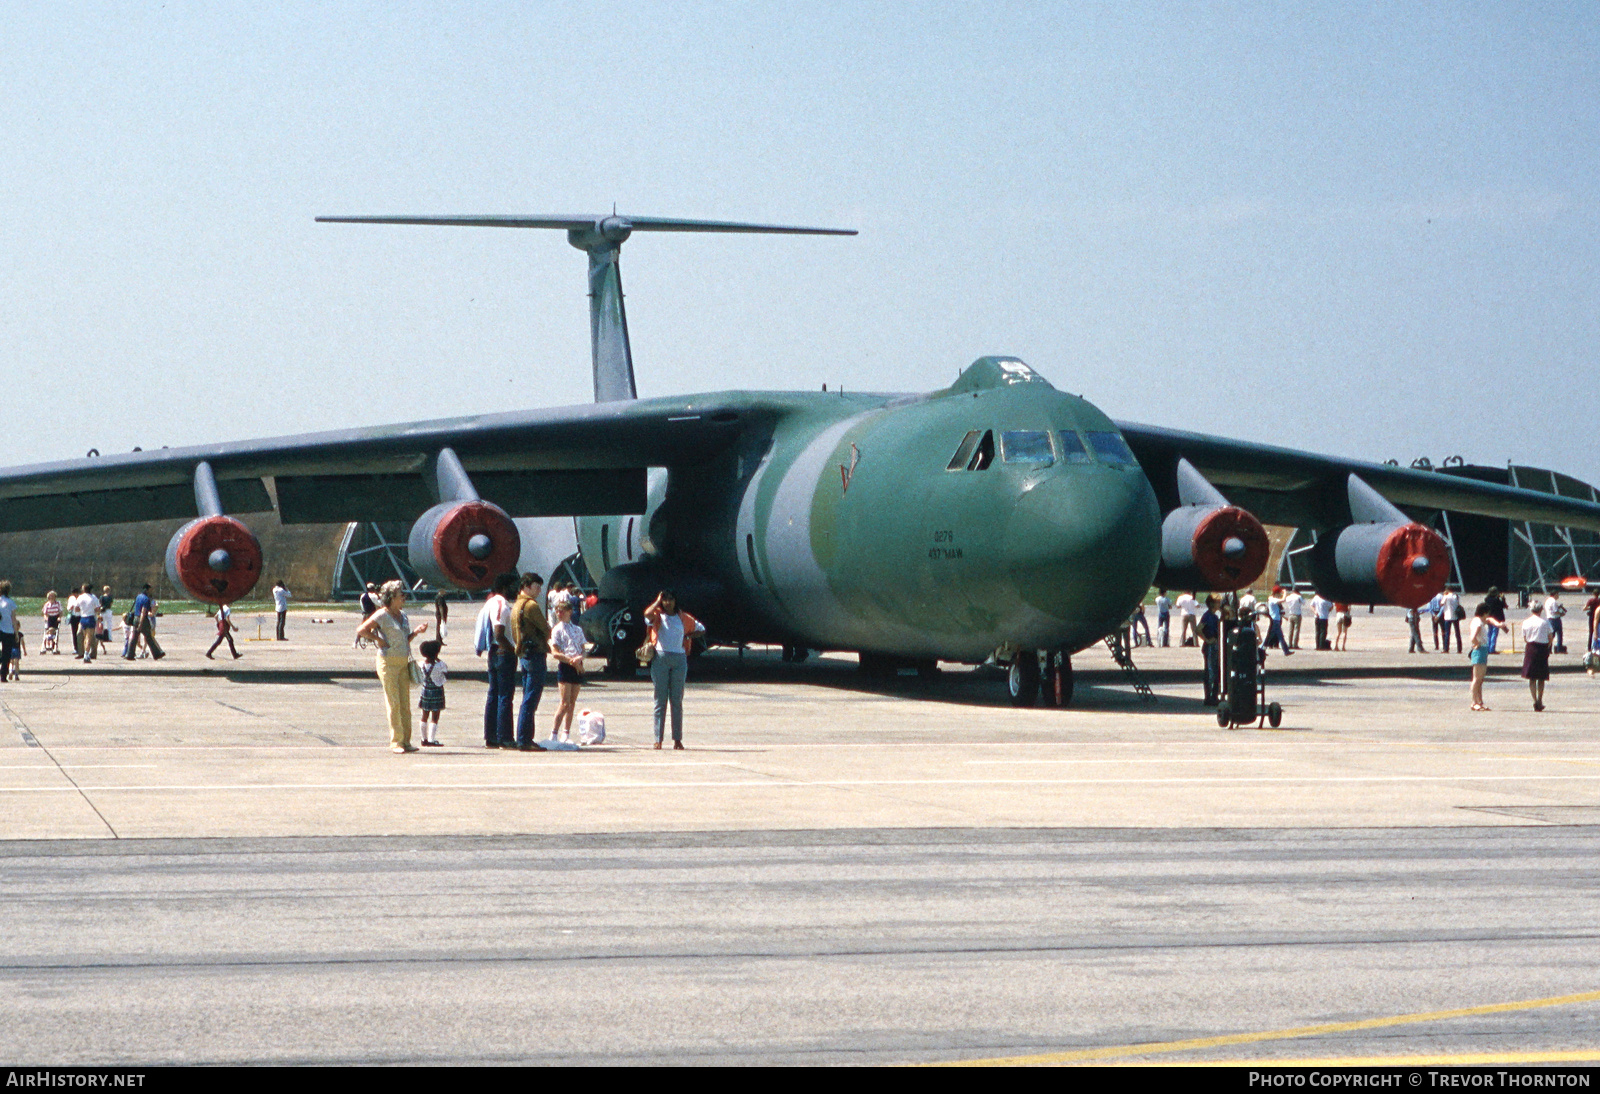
(1082, 547)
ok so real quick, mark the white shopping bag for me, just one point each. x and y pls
(591, 727)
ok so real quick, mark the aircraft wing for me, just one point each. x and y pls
(569, 461)
(1306, 490)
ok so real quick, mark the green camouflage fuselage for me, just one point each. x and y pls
(836, 522)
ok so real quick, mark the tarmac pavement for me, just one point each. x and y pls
(216, 861)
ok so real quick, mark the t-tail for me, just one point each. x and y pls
(601, 237)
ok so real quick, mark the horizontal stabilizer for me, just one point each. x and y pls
(601, 222)
(601, 237)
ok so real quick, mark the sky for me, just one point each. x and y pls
(1367, 230)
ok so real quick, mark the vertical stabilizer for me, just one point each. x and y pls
(609, 351)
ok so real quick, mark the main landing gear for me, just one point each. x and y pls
(1034, 676)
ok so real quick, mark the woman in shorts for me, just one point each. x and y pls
(566, 645)
(1478, 652)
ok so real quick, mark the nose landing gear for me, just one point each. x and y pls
(1056, 681)
(1034, 676)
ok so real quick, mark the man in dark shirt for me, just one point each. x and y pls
(1211, 649)
(144, 610)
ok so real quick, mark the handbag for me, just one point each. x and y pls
(415, 670)
(646, 653)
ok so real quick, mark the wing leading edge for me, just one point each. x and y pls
(1303, 489)
(567, 461)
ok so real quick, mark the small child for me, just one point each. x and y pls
(16, 655)
(52, 623)
(433, 677)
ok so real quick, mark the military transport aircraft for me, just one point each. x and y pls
(996, 517)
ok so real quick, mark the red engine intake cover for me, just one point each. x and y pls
(458, 526)
(1397, 575)
(1238, 571)
(190, 559)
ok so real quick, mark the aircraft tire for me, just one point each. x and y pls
(1056, 682)
(1274, 715)
(1224, 715)
(1047, 679)
(1022, 680)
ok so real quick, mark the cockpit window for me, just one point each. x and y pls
(1111, 448)
(958, 462)
(1026, 446)
(984, 456)
(1072, 450)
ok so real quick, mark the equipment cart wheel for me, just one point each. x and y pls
(1274, 715)
(1023, 679)
(1224, 715)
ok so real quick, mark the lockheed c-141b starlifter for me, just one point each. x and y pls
(996, 517)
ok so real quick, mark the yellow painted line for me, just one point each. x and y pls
(1155, 1047)
(1469, 1059)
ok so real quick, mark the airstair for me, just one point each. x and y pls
(1117, 643)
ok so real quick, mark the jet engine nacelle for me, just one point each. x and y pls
(216, 559)
(1212, 547)
(1390, 563)
(464, 544)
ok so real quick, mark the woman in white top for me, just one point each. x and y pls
(390, 628)
(1536, 641)
(672, 632)
(566, 646)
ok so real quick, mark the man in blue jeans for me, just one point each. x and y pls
(502, 665)
(530, 634)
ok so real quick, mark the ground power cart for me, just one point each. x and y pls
(1244, 683)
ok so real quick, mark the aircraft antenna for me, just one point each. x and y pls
(601, 238)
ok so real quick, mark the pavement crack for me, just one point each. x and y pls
(913, 951)
(33, 742)
(297, 729)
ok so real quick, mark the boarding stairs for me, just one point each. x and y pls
(1117, 643)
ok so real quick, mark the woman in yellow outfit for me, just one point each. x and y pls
(392, 632)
